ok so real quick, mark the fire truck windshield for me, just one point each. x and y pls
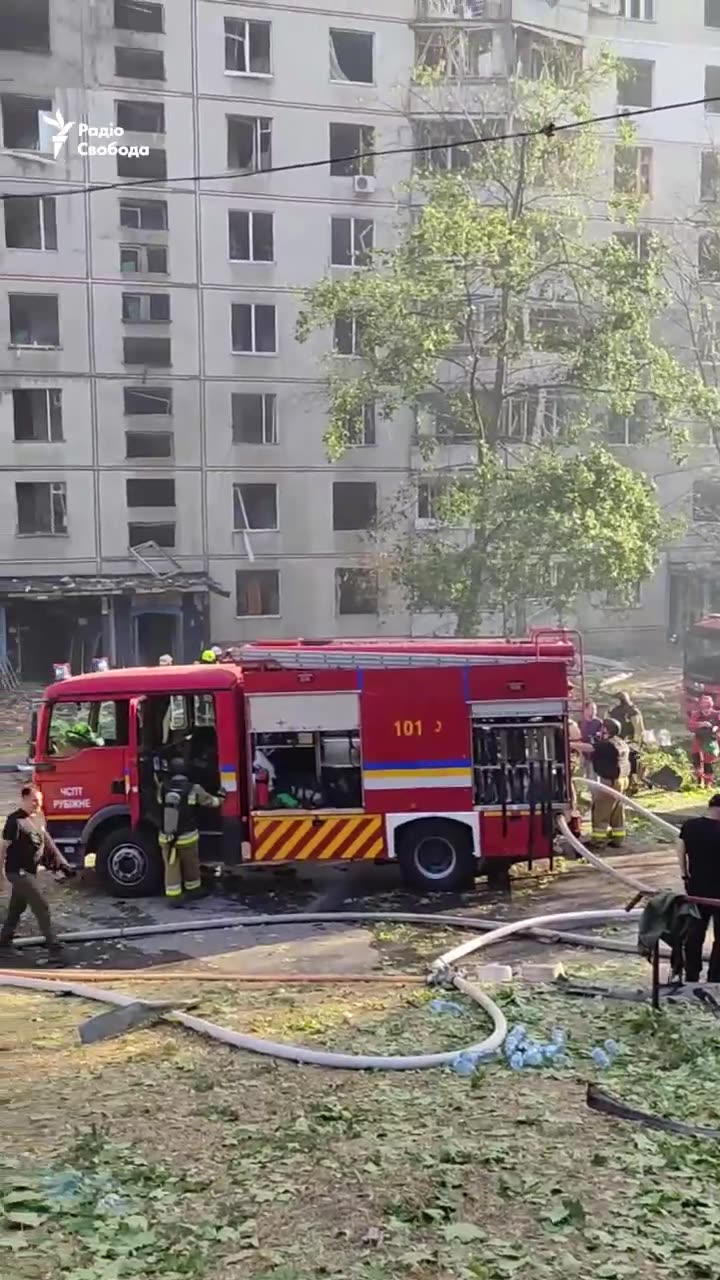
(702, 653)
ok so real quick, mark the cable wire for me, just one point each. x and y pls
(549, 130)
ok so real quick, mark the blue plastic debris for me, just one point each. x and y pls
(445, 1006)
(600, 1058)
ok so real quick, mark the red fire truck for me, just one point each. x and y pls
(450, 757)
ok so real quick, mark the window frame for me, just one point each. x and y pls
(262, 126)
(251, 215)
(45, 204)
(266, 398)
(148, 390)
(364, 168)
(151, 4)
(337, 496)
(341, 570)
(250, 74)
(625, 82)
(146, 301)
(278, 589)
(355, 251)
(647, 7)
(56, 489)
(356, 331)
(149, 435)
(134, 48)
(53, 437)
(239, 351)
(126, 203)
(36, 346)
(143, 251)
(352, 32)
(238, 486)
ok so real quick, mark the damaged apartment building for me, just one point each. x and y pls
(164, 479)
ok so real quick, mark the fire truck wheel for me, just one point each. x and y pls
(436, 855)
(129, 863)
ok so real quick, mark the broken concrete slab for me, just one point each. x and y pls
(541, 974)
(117, 1022)
(491, 973)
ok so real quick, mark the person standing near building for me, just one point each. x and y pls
(698, 852)
(610, 759)
(25, 844)
(179, 834)
(705, 745)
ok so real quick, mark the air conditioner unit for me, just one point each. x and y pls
(606, 6)
(363, 184)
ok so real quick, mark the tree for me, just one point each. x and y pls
(504, 321)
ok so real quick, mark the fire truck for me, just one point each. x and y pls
(450, 758)
(701, 664)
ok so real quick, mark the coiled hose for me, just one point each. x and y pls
(441, 967)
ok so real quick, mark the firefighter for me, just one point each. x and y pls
(610, 757)
(179, 835)
(211, 655)
(705, 747)
(632, 729)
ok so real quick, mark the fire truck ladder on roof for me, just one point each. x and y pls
(307, 659)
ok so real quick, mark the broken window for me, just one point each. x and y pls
(138, 15)
(627, 430)
(25, 26)
(540, 57)
(255, 507)
(140, 117)
(356, 591)
(150, 492)
(247, 47)
(712, 14)
(153, 165)
(354, 504)
(250, 236)
(430, 497)
(633, 170)
(254, 418)
(253, 328)
(163, 534)
(352, 242)
(706, 501)
(552, 327)
(710, 176)
(141, 401)
(41, 508)
(638, 243)
(37, 415)
(348, 336)
(351, 56)
(139, 64)
(361, 426)
(712, 90)
(34, 320)
(257, 593)
(249, 143)
(349, 145)
(709, 256)
(148, 444)
(144, 215)
(30, 222)
(541, 413)
(445, 142)
(143, 259)
(635, 82)
(436, 416)
(144, 308)
(638, 10)
(155, 352)
(21, 121)
(458, 54)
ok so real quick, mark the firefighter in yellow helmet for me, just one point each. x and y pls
(209, 656)
(179, 835)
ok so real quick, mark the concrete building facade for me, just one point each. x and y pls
(163, 475)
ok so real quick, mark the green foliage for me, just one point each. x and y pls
(502, 319)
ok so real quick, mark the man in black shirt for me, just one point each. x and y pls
(699, 858)
(24, 845)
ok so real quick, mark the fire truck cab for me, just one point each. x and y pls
(450, 757)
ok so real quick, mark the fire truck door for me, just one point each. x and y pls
(132, 759)
(416, 742)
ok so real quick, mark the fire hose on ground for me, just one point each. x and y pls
(442, 969)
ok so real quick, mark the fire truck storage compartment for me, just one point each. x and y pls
(312, 741)
(520, 757)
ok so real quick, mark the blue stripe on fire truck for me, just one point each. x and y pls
(417, 775)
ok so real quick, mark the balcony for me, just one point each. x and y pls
(463, 10)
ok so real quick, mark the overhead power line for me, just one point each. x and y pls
(549, 130)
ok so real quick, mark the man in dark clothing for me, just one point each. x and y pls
(632, 729)
(699, 858)
(25, 844)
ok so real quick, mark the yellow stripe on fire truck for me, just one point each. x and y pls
(309, 838)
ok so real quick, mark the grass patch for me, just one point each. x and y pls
(162, 1156)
